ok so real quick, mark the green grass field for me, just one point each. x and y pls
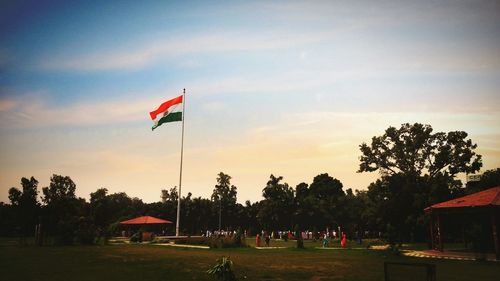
(153, 262)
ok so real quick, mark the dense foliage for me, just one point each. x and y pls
(418, 168)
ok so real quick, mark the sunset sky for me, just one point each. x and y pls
(290, 88)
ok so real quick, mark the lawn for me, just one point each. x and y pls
(153, 262)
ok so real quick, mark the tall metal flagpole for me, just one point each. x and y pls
(180, 174)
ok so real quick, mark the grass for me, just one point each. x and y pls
(153, 262)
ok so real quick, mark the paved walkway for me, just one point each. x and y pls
(182, 245)
(449, 255)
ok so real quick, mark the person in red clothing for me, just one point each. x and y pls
(257, 240)
(343, 241)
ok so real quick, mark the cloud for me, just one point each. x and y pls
(7, 104)
(213, 107)
(139, 56)
(29, 111)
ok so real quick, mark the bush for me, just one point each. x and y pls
(86, 232)
(193, 241)
(65, 231)
(236, 241)
(374, 242)
(223, 270)
(160, 240)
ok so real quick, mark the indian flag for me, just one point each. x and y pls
(168, 111)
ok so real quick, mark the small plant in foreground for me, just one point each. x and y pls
(223, 270)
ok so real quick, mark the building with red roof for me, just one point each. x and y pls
(482, 205)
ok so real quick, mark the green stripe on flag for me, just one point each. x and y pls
(172, 117)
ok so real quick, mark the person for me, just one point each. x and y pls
(343, 241)
(268, 238)
(325, 240)
(257, 240)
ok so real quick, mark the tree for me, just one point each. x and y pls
(225, 195)
(489, 179)
(418, 169)
(100, 208)
(415, 149)
(224, 190)
(278, 205)
(26, 206)
(63, 209)
(60, 189)
(317, 206)
(325, 186)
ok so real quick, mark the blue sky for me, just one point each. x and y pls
(284, 87)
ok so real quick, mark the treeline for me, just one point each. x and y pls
(418, 168)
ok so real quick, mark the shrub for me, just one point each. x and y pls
(86, 232)
(192, 241)
(223, 270)
(65, 231)
(236, 241)
(374, 242)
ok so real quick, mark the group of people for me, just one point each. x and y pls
(258, 240)
(326, 240)
(226, 233)
(266, 236)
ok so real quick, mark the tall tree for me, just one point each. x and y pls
(325, 186)
(224, 197)
(317, 206)
(277, 208)
(61, 188)
(418, 169)
(63, 209)
(414, 149)
(26, 205)
(100, 208)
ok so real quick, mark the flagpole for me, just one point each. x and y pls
(180, 174)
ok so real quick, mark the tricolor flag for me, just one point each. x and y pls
(168, 111)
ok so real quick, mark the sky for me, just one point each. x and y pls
(289, 88)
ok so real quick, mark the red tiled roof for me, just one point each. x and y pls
(145, 220)
(488, 197)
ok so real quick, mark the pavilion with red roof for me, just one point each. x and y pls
(145, 220)
(484, 204)
(146, 224)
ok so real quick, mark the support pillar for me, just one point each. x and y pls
(439, 233)
(495, 234)
(431, 229)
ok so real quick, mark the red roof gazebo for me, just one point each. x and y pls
(485, 203)
(145, 220)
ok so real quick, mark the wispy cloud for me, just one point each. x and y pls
(139, 56)
(38, 111)
(7, 104)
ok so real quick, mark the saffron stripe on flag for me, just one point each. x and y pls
(164, 106)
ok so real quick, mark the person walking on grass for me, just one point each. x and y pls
(257, 240)
(325, 240)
